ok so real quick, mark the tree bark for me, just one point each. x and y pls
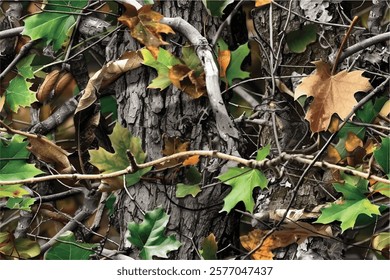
(150, 114)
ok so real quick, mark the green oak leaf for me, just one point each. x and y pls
(209, 248)
(12, 191)
(69, 249)
(182, 190)
(298, 40)
(53, 27)
(215, 7)
(149, 236)
(165, 60)
(234, 71)
(121, 140)
(18, 248)
(243, 181)
(13, 159)
(19, 203)
(354, 203)
(18, 93)
(382, 155)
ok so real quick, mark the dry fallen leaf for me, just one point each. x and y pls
(49, 152)
(173, 145)
(352, 142)
(332, 94)
(145, 26)
(185, 79)
(333, 155)
(291, 233)
(48, 85)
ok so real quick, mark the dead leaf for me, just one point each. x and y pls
(145, 26)
(352, 142)
(334, 124)
(223, 62)
(333, 155)
(48, 85)
(173, 145)
(49, 152)
(290, 233)
(260, 3)
(332, 94)
(185, 79)
(385, 111)
(191, 160)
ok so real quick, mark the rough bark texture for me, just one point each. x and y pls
(150, 114)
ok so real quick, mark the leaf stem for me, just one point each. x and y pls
(336, 62)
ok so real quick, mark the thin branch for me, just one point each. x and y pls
(267, 163)
(227, 21)
(364, 44)
(315, 21)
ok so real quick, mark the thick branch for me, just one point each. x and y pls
(224, 123)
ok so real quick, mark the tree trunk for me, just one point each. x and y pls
(151, 114)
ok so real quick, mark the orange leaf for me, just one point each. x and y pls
(185, 79)
(291, 233)
(333, 155)
(191, 160)
(145, 26)
(332, 94)
(223, 61)
(173, 145)
(260, 3)
(352, 142)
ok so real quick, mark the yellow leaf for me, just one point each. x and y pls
(332, 94)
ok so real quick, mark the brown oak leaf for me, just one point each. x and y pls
(186, 80)
(332, 94)
(145, 26)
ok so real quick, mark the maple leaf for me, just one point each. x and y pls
(243, 181)
(107, 162)
(149, 236)
(354, 203)
(54, 27)
(332, 94)
(145, 26)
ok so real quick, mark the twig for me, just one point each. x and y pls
(23, 51)
(315, 21)
(267, 163)
(69, 226)
(227, 21)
